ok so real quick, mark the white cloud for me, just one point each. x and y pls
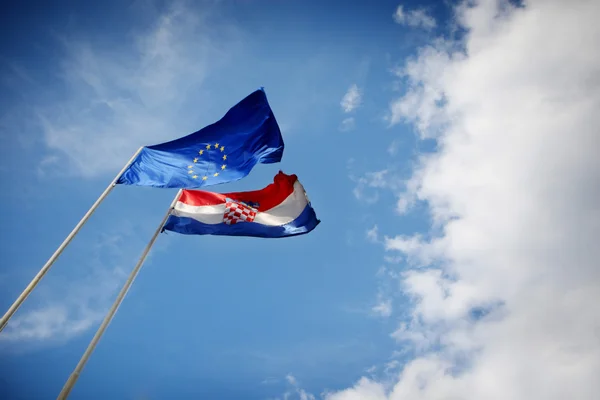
(372, 234)
(347, 124)
(291, 379)
(506, 306)
(393, 147)
(420, 105)
(417, 251)
(136, 94)
(383, 308)
(365, 389)
(351, 99)
(414, 18)
(393, 259)
(269, 381)
(69, 307)
(296, 392)
(367, 186)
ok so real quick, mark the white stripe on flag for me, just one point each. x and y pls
(284, 213)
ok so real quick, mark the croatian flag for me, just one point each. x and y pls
(279, 210)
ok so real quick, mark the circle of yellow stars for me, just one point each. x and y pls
(208, 147)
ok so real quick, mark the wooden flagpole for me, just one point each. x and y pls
(113, 310)
(13, 308)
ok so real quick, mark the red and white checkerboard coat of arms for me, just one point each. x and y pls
(236, 212)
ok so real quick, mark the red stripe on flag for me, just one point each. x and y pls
(201, 198)
(267, 198)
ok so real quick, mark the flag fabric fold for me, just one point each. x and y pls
(281, 209)
(224, 151)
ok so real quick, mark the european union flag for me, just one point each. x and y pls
(222, 152)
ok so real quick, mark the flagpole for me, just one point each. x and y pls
(13, 308)
(113, 310)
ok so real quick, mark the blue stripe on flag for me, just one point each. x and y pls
(305, 223)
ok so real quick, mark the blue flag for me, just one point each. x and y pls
(222, 152)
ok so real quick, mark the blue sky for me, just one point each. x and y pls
(211, 316)
(394, 120)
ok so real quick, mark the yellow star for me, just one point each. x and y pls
(223, 166)
(208, 147)
(216, 145)
(201, 152)
(190, 172)
(222, 148)
(190, 166)
(216, 174)
(225, 157)
(196, 159)
(204, 178)
(195, 176)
